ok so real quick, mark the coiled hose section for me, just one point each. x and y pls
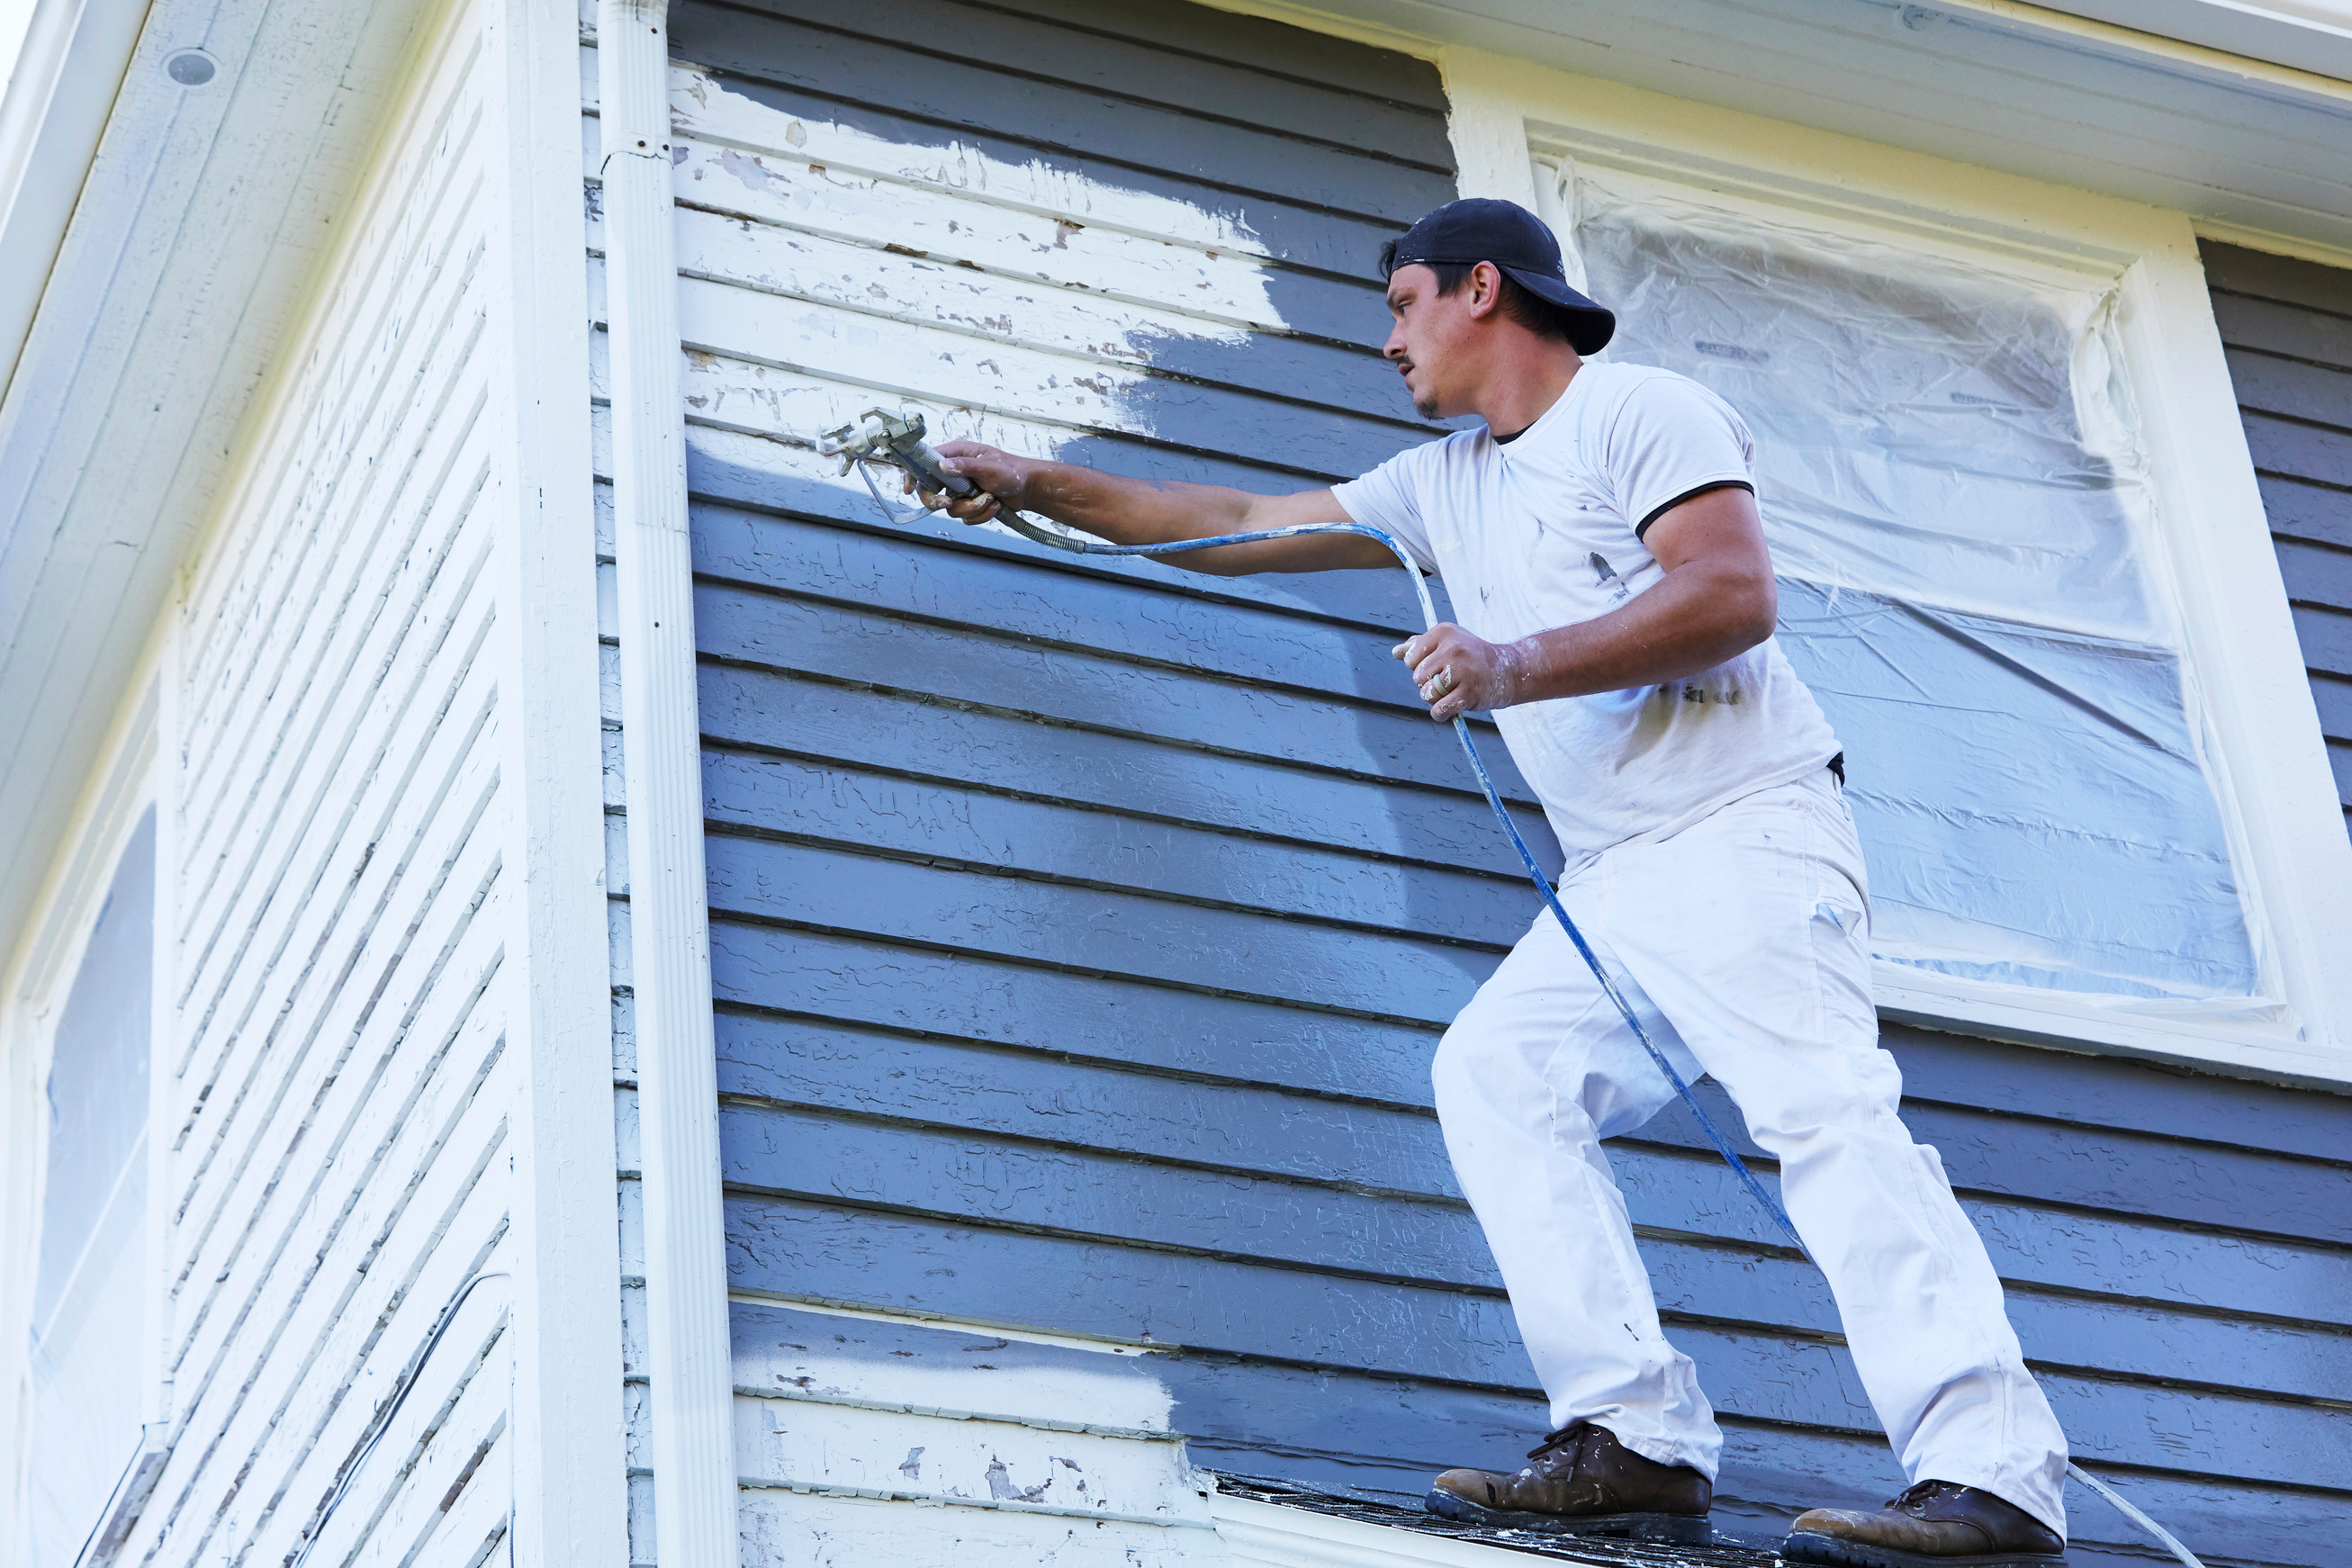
(1756, 1189)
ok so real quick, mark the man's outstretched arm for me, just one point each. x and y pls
(1140, 511)
(1717, 601)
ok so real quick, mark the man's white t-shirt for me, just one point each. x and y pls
(1545, 531)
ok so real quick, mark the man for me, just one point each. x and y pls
(1601, 542)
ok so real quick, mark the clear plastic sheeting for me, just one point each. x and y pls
(1950, 480)
(90, 1295)
(2029, 800)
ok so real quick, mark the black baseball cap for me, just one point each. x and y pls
(1480, 228)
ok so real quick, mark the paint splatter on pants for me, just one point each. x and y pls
(1742, 942)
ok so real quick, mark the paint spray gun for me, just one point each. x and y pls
(879, 435)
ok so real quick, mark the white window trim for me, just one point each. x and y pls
(2264, 753)
(34, 987)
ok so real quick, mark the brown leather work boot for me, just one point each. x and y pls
(1936, 1524)
(1582, 1481)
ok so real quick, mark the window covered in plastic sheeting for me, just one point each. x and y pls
(1950, 477)
(89, 1290)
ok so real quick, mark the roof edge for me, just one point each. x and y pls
(56, 109)
(2310, 38)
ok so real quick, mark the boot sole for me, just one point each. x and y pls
(1687, 1529)
(1807, 1547)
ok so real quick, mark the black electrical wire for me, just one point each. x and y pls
(383, 1422)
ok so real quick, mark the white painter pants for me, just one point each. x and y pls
(1742, 944)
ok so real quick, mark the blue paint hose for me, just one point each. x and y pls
(923, 465)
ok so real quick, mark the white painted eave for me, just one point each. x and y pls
(158, 243)
(2313, 36)
(2247, 146)
(58, 96)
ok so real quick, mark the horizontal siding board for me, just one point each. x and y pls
(401, 569)
(1348, 380)
(1262, 46)
(428, 265)
(1356, 1432)
(275, 877)
(2124, 1173)
(1187, 79)
(1402, 974)
(1053, 1094)
(2273, 384)
(298, 611)
(779, 1525)
(2326, 638)
(2049, 1162)
(420, 722)
(742, 482)
(782, 63)
(2315, 574)
(1081, 1193)
(1065, 359)
(913, 734)
(2268, 326)
(400, 1254)
(811, 1251)
(1094, 932)
(970, 996)
(755, 356)
(791, 206)
(1023, 599)
(2301, 510)
(312, 1202)
(2299, 451)
(910, 819)
(786, 1439)
(2115, 1092)
(1082, 688)
(1303, 233)
(368, 919)
(324, 1411)
(2234, 269)
(374, 1287)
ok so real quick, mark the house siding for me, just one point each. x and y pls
(2287, 327)
(1081, 932)
(336, 894)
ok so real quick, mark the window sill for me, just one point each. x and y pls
(2267, 1044)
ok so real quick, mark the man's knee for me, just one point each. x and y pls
(1455, 1072)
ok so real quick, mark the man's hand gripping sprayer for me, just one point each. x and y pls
(879, 435)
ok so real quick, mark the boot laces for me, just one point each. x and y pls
(1566, 1438)
(1914, 1500)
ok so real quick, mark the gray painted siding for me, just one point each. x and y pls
(2287, 326)
(1081, 933)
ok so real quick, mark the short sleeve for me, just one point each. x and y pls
(1673, 439)
(1389, 499)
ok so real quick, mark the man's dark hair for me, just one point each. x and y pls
(1540, 317)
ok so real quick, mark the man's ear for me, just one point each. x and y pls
(1486, 288)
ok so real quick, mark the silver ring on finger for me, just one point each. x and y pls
(1441, 684)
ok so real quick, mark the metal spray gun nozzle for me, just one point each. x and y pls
(896, 438)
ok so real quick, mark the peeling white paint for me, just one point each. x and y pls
(704, 107)
(819, 1443)
(1019, 304)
